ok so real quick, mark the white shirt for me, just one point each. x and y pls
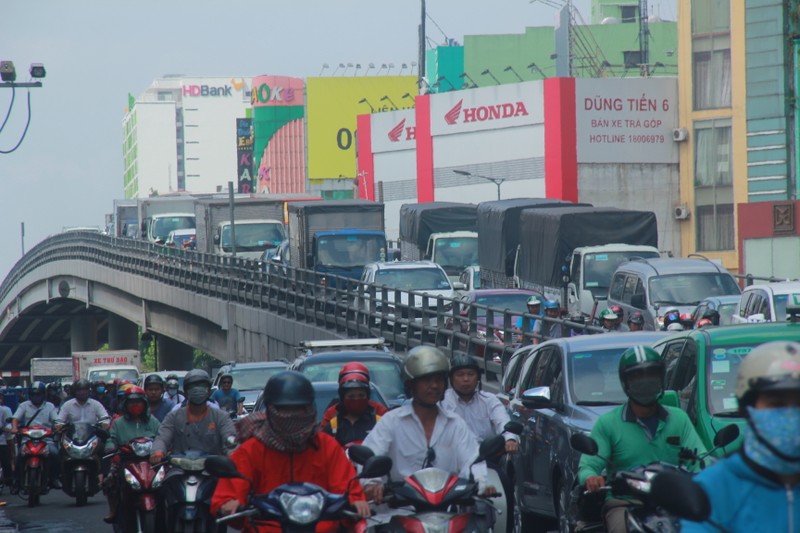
(399, 434)
(484, 413)
(5, 417)
(91, 412)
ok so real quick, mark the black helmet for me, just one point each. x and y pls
(636, 318)
(194, 377)
(288, 388)
(153, 379)
(82, 383)
(457, 362)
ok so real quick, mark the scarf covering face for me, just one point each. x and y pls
(284, 432)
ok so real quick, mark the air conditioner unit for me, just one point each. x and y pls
(680, 134)
(681, 212)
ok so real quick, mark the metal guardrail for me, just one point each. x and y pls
(346, 306)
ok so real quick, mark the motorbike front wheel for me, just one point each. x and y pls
(79, 485)
(32, 485)
(147, 521)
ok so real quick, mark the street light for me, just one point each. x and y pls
(496, 181)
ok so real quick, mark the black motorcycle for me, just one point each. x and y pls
(187, 494)
(80, 462)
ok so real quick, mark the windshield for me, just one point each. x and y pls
(181, 241)
(350, 251)
(594, 376)
(253, 378)
(690, 289)
(413, 279)
(163, 225)
(721, 372)
(131, 374)
(385, 374)
(725, 313)
(456, 253)
(598, 269)
(253, 237)
(516, 303)
(780, 301)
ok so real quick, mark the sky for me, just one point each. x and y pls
(68, 168)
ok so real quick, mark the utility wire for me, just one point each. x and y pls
(25, 131)
(10, 106)
(437, 26)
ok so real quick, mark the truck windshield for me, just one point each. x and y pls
(350, 251)
(454, 254)
(413, 279)
(690, 289)
(723, 367)
(599, 269)
(163, 225)
(111, 374)
(253, 237)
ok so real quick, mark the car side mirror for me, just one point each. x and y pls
(216, 239)
(537, 398)
(637, 301)
(457, 285)
(758, 317)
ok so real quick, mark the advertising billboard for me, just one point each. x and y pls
(394, 130)
(244, 154)
(333, 105)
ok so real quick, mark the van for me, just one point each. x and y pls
(767, 302)
(654, 286)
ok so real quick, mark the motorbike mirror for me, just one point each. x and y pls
(583, 443)
(376, 466)
(359, 454)
(679, 495)
(222, 467)
(726, 435)
(513, 427)
(490, 447)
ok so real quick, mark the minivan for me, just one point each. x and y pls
(654, 286)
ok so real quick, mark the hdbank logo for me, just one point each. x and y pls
(206, 90)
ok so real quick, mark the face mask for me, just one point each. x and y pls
(778, 427)
(37, 399)
(136, 409)
(101, 390)
(356, 406)
(172, 389)
(645, 391)
(197, 395)
(82, 395)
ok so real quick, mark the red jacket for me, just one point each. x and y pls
(330, 412)
(323, 463)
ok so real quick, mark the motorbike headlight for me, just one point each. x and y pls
(302, 509)
(35, 433)
(159, 477)
(143, 448)
(639, 484)
(80, 452)
(132, 481)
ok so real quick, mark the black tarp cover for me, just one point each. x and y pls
(335, 206)
(550, 235)
(418, 221)
(498, 230)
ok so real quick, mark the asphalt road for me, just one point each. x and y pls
(57, 513)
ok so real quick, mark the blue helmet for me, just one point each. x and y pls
(37, 387)
(551, 304)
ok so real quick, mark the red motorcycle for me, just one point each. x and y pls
(138, 484)
(34, 480)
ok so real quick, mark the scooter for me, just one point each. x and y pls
(139, 484)
(80, 464)
(188, 499)
(35, 468)
(297, 507)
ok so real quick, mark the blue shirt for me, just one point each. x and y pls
(227, 401)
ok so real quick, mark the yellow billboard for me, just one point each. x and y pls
(332, 105)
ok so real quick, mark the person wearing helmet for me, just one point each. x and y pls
(100, 394)
(55, 393)
(639, 432)
(36, 411)
(419, 434)
(546, 329)
(82, 408)
(228, 398)
(617, 310)
(704, 323)
(154, 390)
(636, 321)
(350, 371)
(671, 316)
(713, 316)
(135, 422)
(116, 406)
(608, 320)
(675, 326)
(534, 305)
(354, 416)
(173, 392)
(758, 487)
(282, 445)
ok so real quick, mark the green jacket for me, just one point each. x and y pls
(123, 430)
(627, 442)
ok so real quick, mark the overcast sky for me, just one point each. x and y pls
(68, 168)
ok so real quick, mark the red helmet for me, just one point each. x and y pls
(354, 380)
(354, 368)
(617, 310)
(703, 322)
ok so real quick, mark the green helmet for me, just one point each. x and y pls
(772, 366)
(641, 358)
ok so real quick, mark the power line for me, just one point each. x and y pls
(437, 26)
(10, 106)
(28, 123)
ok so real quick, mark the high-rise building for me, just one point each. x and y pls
(180, 134)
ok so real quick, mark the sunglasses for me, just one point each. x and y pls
(430, 458)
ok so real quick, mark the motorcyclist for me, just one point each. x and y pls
(671, 316)
(545, 330)
(638, 432)
(154, 389)
(354, 417)
(608, 320)
(55, 393)
(617, 310)
(227, 397)
(173, 393)
(82, 408)
(758, 487)
(100, 394)
(636, 321)
(5, 445)
(135, 422)
(534, 305)
(36, 412)
(347, 369)
(420, 434)
(283, 445)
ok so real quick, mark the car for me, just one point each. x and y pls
(323, 360)
(724, 305)
(164, 373)
(325, 394)
(183, 239)
(511, 371)
(471, 278)
(564, 386)
(654, 286)
(249, 378)
(702, 366)
(767, 302)
(500, 300)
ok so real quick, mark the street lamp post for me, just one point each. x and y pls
(496, 181)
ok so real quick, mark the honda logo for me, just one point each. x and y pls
(484, 113)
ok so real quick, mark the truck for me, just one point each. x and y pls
(570, 253)
(158, 215)
(48, 369)
(106, 365)
(259, 223)
(126, 219)
(443, 232)
(499, 237)
(336, 237)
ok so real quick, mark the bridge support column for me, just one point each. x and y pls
(122, 334)
(82, 334)
(174, 355)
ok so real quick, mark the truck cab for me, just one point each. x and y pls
(252, 237)
(453, 251)
(156, 228)
(345, 252)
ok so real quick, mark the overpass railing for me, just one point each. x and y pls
(344, 306)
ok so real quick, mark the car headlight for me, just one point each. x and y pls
(80, 452)
(143, 448)
(132, 481)
(302, 509)
(159, 477)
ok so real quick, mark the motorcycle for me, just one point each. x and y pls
(188, 499)
(35, 468)
(297, 507)
(138, 483)
(80, 464)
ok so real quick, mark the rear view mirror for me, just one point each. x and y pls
(583, 443)
(513, 427)
(360, 454)
(221, 467)
(679, 495)
(491, 447)
(537, 398)
(457, 285)
(376, 466)
(726, 436)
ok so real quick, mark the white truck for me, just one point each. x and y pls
(126, 219)
(106, 365)
(158, 215)
(48, 369)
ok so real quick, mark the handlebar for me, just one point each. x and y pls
(238, 514)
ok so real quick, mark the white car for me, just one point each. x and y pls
(767, 302)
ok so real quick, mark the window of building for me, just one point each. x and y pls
(629, 13)
(632, 58)
(713, 185)
(711, 54)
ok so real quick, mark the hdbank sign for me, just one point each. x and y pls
(207, 90)
(271, 91)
